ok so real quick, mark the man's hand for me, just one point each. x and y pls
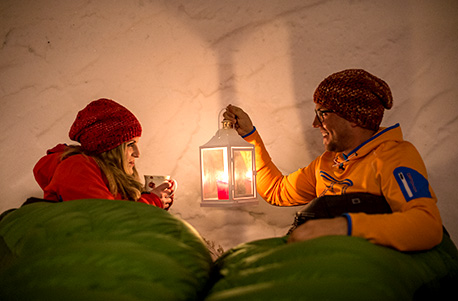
(240, 119)
(319, 227)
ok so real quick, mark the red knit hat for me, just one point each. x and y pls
(355, 95)
(103, 125)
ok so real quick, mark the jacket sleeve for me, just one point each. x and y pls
(151, 199)
(415, 223)
(294, 189)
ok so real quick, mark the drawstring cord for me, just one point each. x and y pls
(341, 164)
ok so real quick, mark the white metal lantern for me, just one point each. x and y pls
(227, 169)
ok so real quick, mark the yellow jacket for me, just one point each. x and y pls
(383, 165)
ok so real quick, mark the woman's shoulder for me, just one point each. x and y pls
(79, 166)
(79, 160)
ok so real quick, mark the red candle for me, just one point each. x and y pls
(223, 190)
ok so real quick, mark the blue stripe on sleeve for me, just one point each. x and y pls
(252, 131)
(349, 223)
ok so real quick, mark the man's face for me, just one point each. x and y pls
(336, 131)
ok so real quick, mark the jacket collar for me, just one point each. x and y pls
(392, 133)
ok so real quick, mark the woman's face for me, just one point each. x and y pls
(132, 153)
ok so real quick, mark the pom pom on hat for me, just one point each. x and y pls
(355, 95)
(103, 125)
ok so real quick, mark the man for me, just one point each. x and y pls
(359, 157)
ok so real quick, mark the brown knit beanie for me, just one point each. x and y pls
(103, 125)
(355, 95)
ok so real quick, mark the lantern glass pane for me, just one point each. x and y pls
(215, 174)
(243, 173)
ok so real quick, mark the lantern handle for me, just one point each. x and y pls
(226, 123)
(219, 118)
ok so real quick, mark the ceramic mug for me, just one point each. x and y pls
(154, 181)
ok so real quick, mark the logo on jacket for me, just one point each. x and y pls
(413, 184)
(331, 182)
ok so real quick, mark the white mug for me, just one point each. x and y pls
(154, 181)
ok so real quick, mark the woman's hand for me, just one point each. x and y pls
(165, 193)
(240, 119)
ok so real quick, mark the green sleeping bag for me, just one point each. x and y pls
(334, 268)
(117, 250)
(100, 250)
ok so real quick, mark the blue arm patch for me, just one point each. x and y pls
(413, 184)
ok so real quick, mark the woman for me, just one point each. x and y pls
(103, 165)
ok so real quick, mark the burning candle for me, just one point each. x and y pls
(223, 190)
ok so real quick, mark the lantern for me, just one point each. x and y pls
(227, 169)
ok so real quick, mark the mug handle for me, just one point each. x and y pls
(174, 186)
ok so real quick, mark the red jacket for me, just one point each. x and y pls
(77, 177)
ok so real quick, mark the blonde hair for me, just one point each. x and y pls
(114, 167)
